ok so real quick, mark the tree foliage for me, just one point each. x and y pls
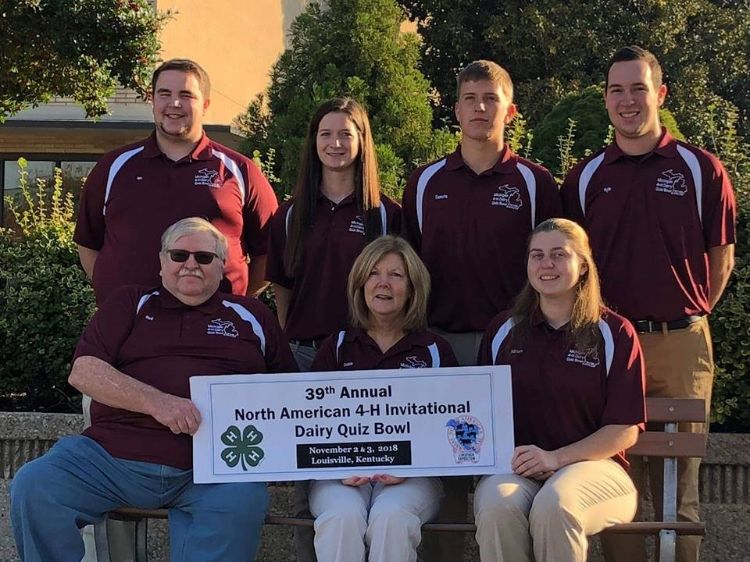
(352, 48)
(77, 48)
(552, 48)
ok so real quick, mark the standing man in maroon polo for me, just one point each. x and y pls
(660, 214)
(135, 192)
(469, 214)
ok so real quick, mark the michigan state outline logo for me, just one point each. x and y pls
(465, 435)
(242, 447)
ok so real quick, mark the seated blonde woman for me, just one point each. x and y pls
(388, 290)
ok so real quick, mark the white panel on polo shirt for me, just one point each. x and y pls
(114, 169)
(235, 169)
(585, 179)
(249, 317)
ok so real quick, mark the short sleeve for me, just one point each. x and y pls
(110, 326)
(260, 207)
(89, 230)
(548, 198)
(626, 402)
(409, 222)
(571, 206)
(275, 271)
(720, 208)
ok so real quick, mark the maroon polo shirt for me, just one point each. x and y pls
(651, 220)
(151, 336)
(471, 231)
(318, 305)
(354, 350)
(562, 394)
(134, 193)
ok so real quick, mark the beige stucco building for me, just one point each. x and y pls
(236, 41)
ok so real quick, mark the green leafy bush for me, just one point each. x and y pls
(554, 135)
(45, 300)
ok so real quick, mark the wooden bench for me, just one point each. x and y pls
(668, 444)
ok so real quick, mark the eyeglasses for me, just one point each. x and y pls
(181, 256)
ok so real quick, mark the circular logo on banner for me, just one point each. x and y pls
(465, 435)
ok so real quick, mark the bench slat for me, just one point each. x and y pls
(654, 527)
(662, 444)
(675, 410)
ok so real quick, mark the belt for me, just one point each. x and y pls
(312, 342)
(648, 326)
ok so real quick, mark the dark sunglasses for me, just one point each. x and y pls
(181, 256)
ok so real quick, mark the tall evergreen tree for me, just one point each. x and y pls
(347, 48)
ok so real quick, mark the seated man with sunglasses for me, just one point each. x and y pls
(135, 359)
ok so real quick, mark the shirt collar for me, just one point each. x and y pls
(168, 300)
(454, 161)
(666, 148)
(407, 342)
(349, 199)
(202, 150)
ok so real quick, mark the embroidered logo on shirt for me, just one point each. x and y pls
(222, 328)
(357, 225)
(607, 189)
(507, 196)
(412, 362)
(672, 182)
(587, 358)
(208, 178)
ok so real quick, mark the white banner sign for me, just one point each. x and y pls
(403, 422)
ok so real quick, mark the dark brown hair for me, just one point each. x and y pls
(633, 52)
(307, 189)
(184, 65)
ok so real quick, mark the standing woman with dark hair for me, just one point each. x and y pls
(335, 210)
(578, 403)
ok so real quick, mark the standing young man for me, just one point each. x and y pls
(135, 192)
(469, 214)
(660, 214)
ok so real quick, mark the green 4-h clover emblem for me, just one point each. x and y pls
(241, 446)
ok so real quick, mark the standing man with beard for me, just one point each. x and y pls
(660, 215)
(135, 192)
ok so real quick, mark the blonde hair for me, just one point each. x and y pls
(485, 70)
(588, 303)
(194, 225)
(415, 316)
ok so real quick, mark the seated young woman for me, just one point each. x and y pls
(388, 290)
(578, 403)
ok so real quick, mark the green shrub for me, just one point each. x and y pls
(730, 320)
(45, 300)
(586, 108)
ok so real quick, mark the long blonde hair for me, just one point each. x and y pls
(415, 313)
(588, 302)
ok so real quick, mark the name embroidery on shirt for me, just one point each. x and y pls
(412, 362)
(207, 177)
(348, 364)
(440, 196)
(672, 182)
(357, 225)
(220, 327)
(507, 196)
(587, 358)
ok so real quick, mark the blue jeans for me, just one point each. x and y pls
(77, 482)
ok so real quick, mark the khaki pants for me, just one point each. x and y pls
(523, 520)
(679, 364)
